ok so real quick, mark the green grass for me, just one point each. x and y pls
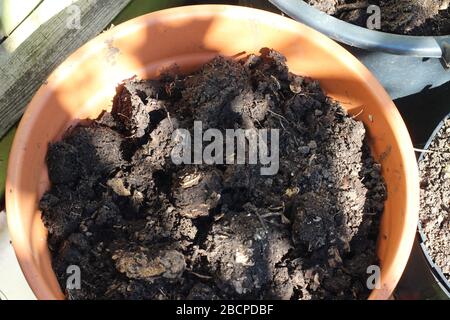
(5, 146)
(139, 7)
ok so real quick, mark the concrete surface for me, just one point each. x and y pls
(13, 285)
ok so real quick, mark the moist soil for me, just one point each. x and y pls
(141, 227)
(435, 199)
(407, 17)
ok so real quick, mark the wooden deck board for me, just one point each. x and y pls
(27, 58)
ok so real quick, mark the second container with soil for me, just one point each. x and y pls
(434, 166)
(427, 275)
(407, 43)
(142, 226)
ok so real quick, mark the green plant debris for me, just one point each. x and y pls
(5, 147)
(139, 7)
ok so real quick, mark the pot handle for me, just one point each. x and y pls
(356, 36)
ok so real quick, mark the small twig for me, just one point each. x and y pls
(429, 151)
(282, 125)
(275, 224)
(358, 114)
(271, 214)
(261, 220)
(169, 118)
(192, 181)
(278, 115)
(163, 293)
(201, 276)
(237, 55)
(281, 207)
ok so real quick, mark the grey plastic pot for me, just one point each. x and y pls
(405, 65)
(422, 278)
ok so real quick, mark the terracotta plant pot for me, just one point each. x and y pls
(84, 84)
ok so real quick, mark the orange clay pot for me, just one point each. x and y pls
(85, 83)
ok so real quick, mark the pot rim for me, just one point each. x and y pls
(442, 280)
(356, 36)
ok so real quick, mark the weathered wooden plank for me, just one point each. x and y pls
(13, 12)
(44, 12)
(24, 67)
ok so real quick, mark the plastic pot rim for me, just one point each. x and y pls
(363, 38)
